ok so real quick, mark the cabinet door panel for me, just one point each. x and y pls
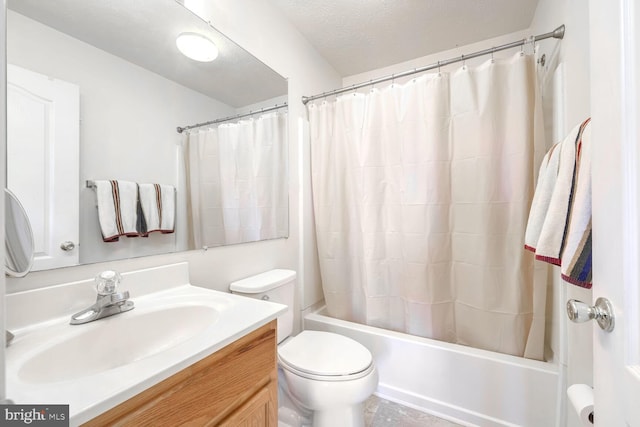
(208, 391)
(254, 413)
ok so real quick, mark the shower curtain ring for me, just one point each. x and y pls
(464, 62)
(439, 73)
(493, 49)
(532, 40)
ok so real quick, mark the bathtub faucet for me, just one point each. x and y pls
(108, 301)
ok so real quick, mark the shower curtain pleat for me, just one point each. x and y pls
(237, 181)
(421, 193)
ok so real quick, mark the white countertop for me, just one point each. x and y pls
(89, 395)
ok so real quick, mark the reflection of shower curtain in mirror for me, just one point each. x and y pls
(421, 195)
(237, 181)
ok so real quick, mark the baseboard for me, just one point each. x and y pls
(439, 409)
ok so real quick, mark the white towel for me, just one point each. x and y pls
(117, 209)
(552, 235)
(542, 197)
(576, 258)
(158, 203)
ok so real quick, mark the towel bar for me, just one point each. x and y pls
(92, 184)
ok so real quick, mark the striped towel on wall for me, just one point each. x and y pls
(559, 226)
(117, 209)
(577, 259)
(158, 207)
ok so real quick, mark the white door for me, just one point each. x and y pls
(615, 106)
(42, 161)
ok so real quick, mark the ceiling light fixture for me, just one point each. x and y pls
(197, 47)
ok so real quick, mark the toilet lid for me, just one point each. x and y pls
(325, 354)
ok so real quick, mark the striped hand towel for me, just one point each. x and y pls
(158, 205)
(117, 209)
(576, 258)
(565, 236)
(551, 242)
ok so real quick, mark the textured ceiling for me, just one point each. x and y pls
(355, 36)
(144, 31)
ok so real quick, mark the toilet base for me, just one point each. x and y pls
(352, 416)
(323, 403)
(290, 416)
(290, 413)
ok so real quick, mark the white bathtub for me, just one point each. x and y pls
(462, 384)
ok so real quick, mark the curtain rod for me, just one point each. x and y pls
(237, 116)
(558, 33)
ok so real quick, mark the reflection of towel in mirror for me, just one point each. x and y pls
(117, 209)
(158, 205)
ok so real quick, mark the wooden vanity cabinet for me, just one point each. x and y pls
(235, 386)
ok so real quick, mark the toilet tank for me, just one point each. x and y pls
(275, 286)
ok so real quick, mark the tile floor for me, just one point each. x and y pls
(379, 412)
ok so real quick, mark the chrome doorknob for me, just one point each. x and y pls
(67, 246)
(601, 312)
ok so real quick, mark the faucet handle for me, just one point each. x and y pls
(107, 282)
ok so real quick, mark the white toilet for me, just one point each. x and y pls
(323, 377)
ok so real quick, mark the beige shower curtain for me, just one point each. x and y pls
(421, 194)
(237, 181)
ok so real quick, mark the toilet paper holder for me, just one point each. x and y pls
(581, 399)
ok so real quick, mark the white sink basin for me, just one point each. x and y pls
(95, 366)
(115, 341)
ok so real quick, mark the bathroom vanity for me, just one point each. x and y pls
(183, 355)
(235, 386)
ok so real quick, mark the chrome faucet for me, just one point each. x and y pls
(108, 302)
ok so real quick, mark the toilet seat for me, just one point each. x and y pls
(325, 356)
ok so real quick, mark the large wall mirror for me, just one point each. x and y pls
(95, 92)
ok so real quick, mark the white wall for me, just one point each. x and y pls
(573, 54)
(264, 32)
(440, 56)
(128, 117)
